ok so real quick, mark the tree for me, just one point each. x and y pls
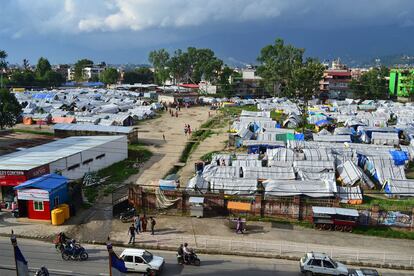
(372, 84)
(23, 78)
(159, 60)
(140, 75)
(26, 64)
(109, 76)
(224, 81)
(53, 78)
(3, 65)
(305, 84)
(10, 109)
(79, 65)
(43, 66)
(278, 62)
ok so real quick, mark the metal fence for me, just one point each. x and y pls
(288, 249)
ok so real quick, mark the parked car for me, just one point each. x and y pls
(140, 260)
(363, 272)
(320, 263)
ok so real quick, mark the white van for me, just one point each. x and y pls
(140, 260)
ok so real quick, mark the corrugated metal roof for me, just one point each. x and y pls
(47, 182)
(34, 157)
(91, 127)
(332, 211)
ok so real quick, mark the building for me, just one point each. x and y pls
(62, 69)
(71, 157)
(68, 130)
(398, 84)
(249, 85)
(174, 98)
(335, 82)
(39, 196)
(88, 73)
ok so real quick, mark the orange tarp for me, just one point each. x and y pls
(27, 120)
(239, 206)
(63, 120)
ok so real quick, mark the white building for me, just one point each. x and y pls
(87, 72)
(72, 157)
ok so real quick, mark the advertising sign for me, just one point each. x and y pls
(33, 194)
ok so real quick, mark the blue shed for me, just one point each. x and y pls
(39, 196)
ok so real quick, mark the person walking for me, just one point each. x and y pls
(153, 222)
(163, 137)
(239, 226)
(131, 232)
(176, 114)
(137, 221)
(189, 130)
(144, 223)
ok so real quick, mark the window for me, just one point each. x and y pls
(128, 259)
(73, 167)
(328, 264)
(87, 161)
(316, 262)
(100, 156)
(38, 205)
(138, 260)
(56, 201)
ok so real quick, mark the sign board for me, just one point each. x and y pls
(33, 194)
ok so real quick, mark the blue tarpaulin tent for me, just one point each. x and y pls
(322, 123)
(300, 137)
(399, 157)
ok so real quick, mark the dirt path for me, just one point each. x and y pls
(215, 142)
(166, 153)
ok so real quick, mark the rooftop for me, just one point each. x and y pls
(37, 156)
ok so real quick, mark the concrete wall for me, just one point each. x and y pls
(93, 159)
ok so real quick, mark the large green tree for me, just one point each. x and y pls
(43, 66)
(195, 65)
(159, 60)
(140, 75)
(79, 65)
(10, 109)
(224, 85)
(53, 79)
(3, 65)
(277, 64)
(23, 78)
(109, 76)
(372, 84)
(305, 84)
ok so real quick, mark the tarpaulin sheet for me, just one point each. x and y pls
(399, 157)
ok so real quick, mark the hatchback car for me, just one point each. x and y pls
(140, 260)
(321, 264)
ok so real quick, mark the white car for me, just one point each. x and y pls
(140, 260)
(320, 263)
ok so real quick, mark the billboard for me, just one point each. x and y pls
(33, 194)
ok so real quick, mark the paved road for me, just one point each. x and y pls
(40, 253)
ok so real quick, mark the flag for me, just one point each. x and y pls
(118, 267)
(21, 263)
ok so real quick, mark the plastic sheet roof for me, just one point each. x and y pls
(95, 128)
(297, 187)
(400, 187)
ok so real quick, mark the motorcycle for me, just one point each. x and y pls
(74, 252)
(42, 271)
(192, 259)
(128, 215)
(15, 213)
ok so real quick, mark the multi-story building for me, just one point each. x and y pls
(62, 69)
(335, 82)
(399, 85)
(88, 73)
(249, 85)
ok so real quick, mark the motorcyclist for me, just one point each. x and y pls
(180, 252)
(186, 252)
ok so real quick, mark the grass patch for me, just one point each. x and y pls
(91, 193)
(286, 221)
(384, 232)
(117, 173)
(385, 203)
(37, 132)
(236, 110)
(277, 116)
(208, 156)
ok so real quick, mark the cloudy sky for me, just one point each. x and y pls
(122, 31)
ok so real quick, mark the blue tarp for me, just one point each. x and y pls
(322, 123)
(253, 149)
(42, 96)
(399, 157)
(300, 137)
(254, 127)
(48, 182)
(278, 125)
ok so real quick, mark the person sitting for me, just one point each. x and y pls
(186, 252)
(180, 252)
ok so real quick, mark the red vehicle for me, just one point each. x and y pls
(338, 219)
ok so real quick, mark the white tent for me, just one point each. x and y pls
(310, 188)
